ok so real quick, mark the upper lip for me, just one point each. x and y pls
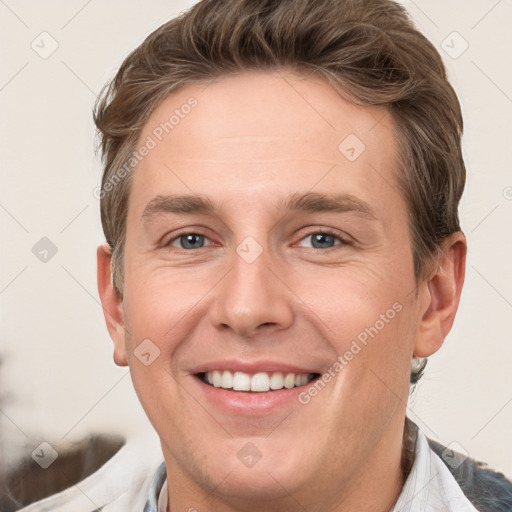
(251, 367)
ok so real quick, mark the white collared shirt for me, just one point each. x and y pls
(430, 487)
(134, 480)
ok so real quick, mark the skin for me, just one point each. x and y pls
(253, 139)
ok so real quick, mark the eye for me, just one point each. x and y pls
(323, 240)
(188, 241)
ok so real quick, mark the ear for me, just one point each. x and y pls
(440, 295)
(112, 304)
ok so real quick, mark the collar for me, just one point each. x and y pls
(429, 487)
(156, 488)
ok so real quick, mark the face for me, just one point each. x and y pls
(268, 248)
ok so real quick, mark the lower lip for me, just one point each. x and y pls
(247, 403)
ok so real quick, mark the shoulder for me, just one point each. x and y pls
(488, 490)
(121, 484)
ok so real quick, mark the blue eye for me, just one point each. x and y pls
(189, 241)
(323, 240)
(317, 240)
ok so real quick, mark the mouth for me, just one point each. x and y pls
(260, 382)
(242, 388)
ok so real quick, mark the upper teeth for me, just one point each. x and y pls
(263, 381)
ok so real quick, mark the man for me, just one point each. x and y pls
(279, 199)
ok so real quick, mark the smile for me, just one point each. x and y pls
(258, 382)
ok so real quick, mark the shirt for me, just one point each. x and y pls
(429, 487)
(134, 480)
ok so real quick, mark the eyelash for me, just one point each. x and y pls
(325, 231)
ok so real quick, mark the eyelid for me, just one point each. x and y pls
(344, 238)
(166, 242)
(176, 239)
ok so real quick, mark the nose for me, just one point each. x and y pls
(252, 299)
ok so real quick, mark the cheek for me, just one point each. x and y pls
(154, 312)
(158, 303)
(379, 372)
(368, 319)
(351, 301)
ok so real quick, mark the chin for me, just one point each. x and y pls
(256, 485)
(281, 471)
(248, 468)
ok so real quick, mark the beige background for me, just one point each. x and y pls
(57, 379)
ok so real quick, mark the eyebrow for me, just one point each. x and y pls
(306, 202)
(178, 204)
(338, 203)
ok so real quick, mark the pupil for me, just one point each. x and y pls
(192, 241)
(322, 240)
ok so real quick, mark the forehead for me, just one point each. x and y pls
(257, 128)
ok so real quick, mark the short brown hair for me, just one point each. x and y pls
(369, 50)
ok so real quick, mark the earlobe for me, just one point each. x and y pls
(112, 304)
(440, 295)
